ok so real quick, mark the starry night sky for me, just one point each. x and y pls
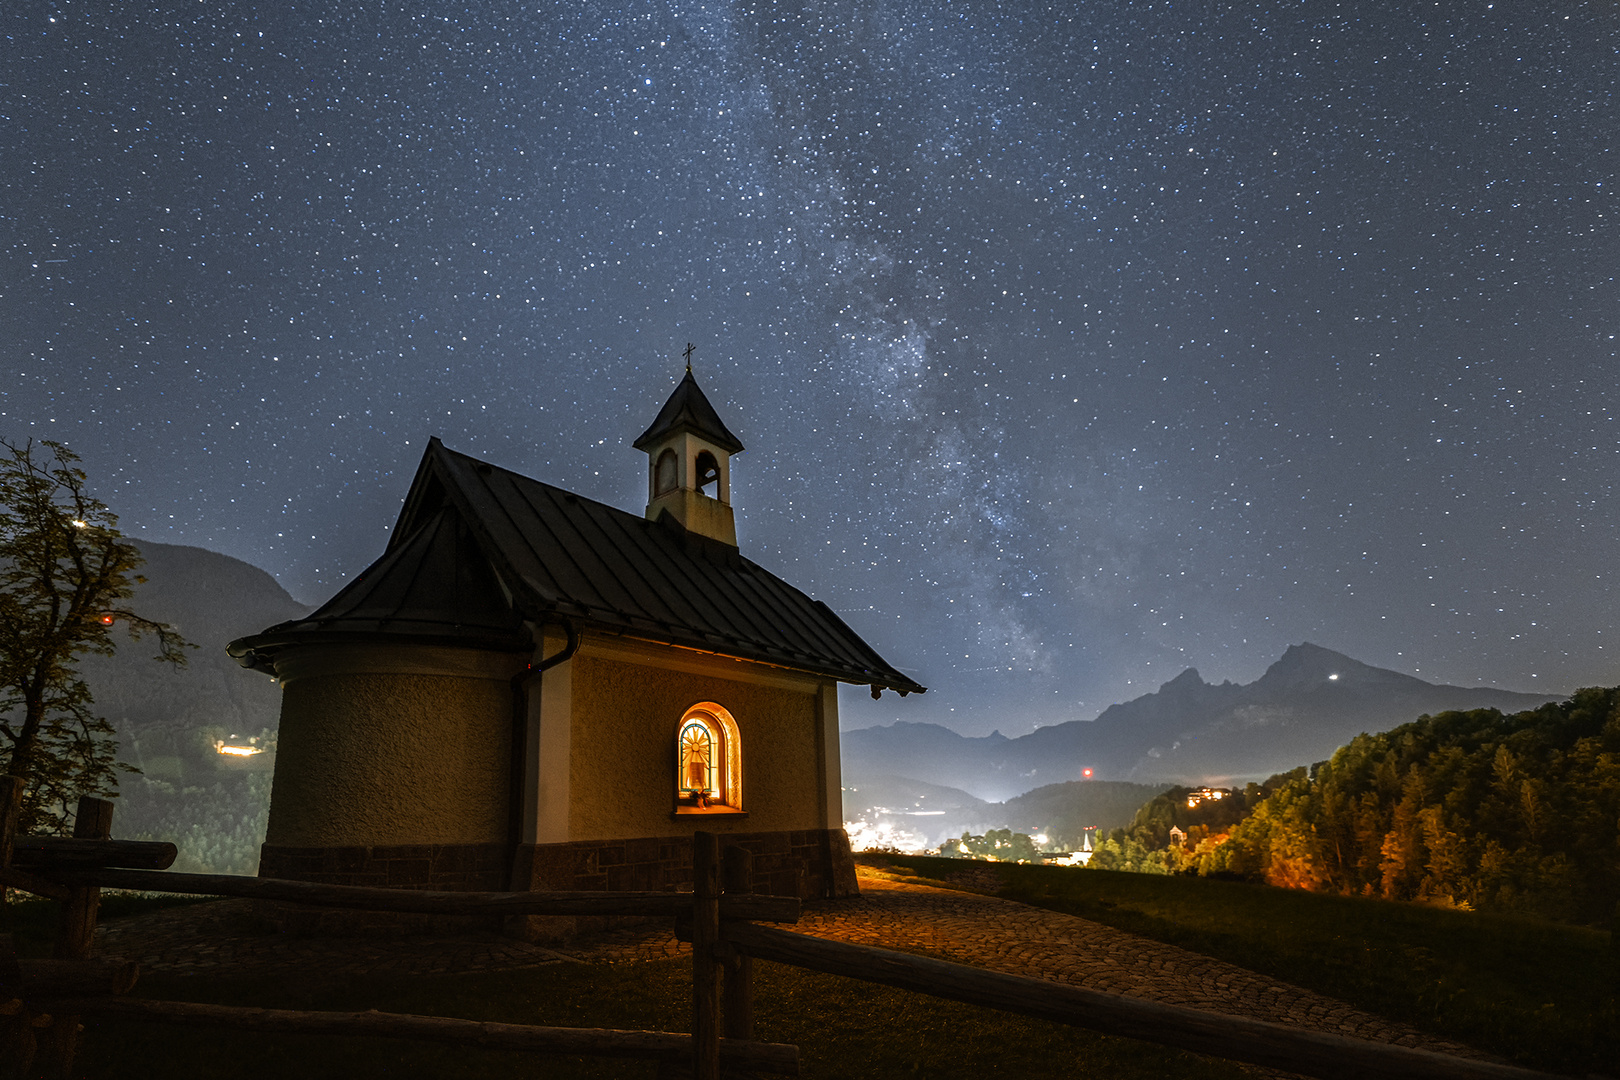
(1072, 344)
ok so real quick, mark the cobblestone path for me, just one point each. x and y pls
(225, 937)
(1006, 936)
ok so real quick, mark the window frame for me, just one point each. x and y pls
(725, 762)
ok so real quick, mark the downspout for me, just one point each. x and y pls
(521, 683)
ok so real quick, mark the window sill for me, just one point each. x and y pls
(708, 811)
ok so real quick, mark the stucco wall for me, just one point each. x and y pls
(622, 776)
(391, 758)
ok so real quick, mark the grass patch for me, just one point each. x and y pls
(843, 1029)
(1541, 994)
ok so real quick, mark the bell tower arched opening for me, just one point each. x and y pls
(708, 474)
(666, 474)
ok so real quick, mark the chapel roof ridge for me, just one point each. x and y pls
(562, 555)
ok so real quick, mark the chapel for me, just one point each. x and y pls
(530, 689)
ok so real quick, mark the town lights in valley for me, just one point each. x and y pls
(236, 750)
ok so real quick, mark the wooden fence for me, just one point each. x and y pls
(42, 1001)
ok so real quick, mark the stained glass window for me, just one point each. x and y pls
(698, 760)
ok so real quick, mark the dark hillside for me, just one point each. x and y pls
(1472, 809)
(169, 721)
(1064, 811)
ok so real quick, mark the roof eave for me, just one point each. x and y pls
(259, 652)
(878, 679)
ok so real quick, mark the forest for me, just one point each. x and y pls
(1475, 810)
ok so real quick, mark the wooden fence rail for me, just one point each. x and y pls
(62, 852)
(783, 909)
(720, 923)
(1296, 1050)
(672, 1047)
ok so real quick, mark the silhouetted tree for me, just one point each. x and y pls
(66, 576)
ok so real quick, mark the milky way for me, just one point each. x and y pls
(1072, 344)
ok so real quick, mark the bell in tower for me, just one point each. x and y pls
(689, 456)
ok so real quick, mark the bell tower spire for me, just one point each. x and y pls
(689, 456)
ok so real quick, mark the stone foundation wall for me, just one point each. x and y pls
(807, 863)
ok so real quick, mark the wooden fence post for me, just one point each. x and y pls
(16, 1034)
(705, 949)
(76, 931)
(75, 936)
(737, 872)
(11, 793)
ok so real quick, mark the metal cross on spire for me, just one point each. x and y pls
(690, 349)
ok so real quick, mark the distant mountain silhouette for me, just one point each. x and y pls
(211, 599)
(168, 721)
(1309, 703)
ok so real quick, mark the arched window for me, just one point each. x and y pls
(666, 474)
(708, 761)
(700, 767)
(708, 472)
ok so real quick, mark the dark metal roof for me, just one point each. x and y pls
(433, 587)
(560, 555)
(687, 409)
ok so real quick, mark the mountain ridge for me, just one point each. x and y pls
(1308, 702)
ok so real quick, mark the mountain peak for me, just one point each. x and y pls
(1306, 665)
(1187, 680)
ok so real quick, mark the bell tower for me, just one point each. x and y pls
(689, 463)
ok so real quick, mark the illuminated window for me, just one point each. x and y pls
(665, 475)
(708, 760)
(699, 771)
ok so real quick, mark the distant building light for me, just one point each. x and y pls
(1334, 677)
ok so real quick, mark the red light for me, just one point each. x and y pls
(1086, 773)
(106, 620)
